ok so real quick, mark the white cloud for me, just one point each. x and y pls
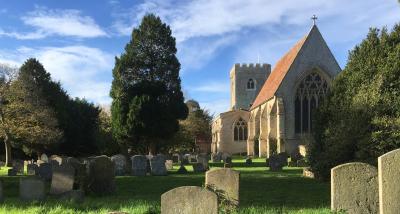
(83, 71)
(216, 106)
(47, 22)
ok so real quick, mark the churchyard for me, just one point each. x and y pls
(261, 191)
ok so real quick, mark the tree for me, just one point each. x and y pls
(7, 75)
(146, 90)
(360, 118)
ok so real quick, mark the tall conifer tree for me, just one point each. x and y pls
(146, 90)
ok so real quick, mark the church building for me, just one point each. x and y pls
(271, 110)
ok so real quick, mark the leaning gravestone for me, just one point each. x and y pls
(169, 164)
(188, 200)
(31, 189)
(32, 169)
(203, 159)
(354, 188)
(120, 164)
(389, 177)
(157, 165)
(18, 166)
(100, 177)
(45, 171)
(226, 181)
(139, 165)
(63, 179)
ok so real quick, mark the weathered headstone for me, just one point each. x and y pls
(32, 169)
(283, 158)
(157, 165)
(55, 159)
(275, 163)
(120, 164)
(188, 200)
(31, 189)
(45, 171)
(389, 177)
(44, 158)
(169, 164)
(225, 181)
(226, 158)
(198, 167)
(354, 188)
(100, 177)
(11, 172)
(139, 165)
(18, 166)
(80, 172)
(203, 159)
(63, 179)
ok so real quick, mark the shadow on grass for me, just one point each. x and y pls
(258, 188)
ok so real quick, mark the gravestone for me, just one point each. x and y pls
(249, 161)
(308, 173)
(120, 164)
(182, 170)
(139, 165)
(283, 158)
(80, 171)
(63, 179)
(32, 169)
(354, 188)
(198, 167)
(389, 177)
(295, 155)
(226, 158)
(44, 158)
(169, 164)
(188, 200)
(226, 181)
(18, 166)
(45, 171)
(275, 163)
(100, 177)
(11, 172)
(55, 159)
(157, 165)
(216, 157)
(31, 189)
(203, 159)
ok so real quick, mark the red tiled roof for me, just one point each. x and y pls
(278, 73)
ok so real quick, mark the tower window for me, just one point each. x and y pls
(251, 84)
(240, 130)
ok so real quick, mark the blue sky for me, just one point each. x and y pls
(77, 40)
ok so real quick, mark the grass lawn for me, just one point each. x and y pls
(261, 191)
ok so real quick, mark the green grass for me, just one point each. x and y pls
(261, 191)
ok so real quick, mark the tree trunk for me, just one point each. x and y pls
(8, 152)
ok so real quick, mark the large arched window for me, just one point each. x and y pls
(240, 130)
(251, 84)
(310, 92)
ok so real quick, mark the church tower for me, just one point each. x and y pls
(246, 82)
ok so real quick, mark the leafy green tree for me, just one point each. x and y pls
(146, 89)
(107, 143)
(360, 119)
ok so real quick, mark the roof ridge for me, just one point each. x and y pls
(279, 72)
